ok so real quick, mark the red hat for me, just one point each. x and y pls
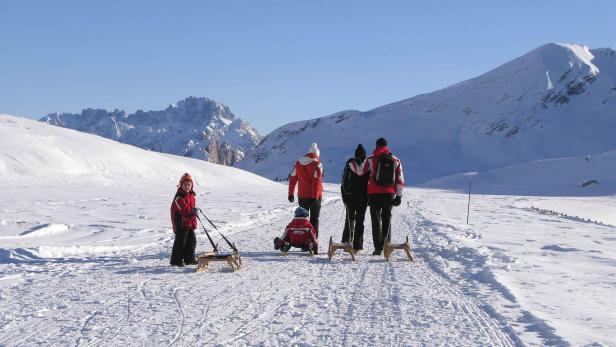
(186, 177)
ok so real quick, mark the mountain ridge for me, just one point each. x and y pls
(553, 101)
(195, 127)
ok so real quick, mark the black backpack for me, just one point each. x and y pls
(385, 170)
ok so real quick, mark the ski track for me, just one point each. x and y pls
(273, 300)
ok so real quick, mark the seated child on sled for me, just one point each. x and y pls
(299, 233)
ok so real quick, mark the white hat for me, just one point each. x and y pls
(315, 149)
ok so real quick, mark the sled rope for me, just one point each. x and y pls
(208, 235)
(221, 234)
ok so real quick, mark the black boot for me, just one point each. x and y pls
(315, 248)
(178, 264)
(192, 261)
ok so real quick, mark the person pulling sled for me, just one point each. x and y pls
(184, 221)
(299, 233)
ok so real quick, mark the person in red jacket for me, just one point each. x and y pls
(307, 174)
(184, 221)
(384, 191)
(299, 233)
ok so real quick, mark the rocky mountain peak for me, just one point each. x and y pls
(196, 127)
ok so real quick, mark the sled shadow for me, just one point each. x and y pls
(156, 270)
(278, 256)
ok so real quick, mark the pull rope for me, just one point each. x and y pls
(221, 234)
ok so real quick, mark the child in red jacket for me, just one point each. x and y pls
(299, 233)
(184, 221)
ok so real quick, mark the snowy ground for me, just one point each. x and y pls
(89, 267)
(84, 260)
(98, 275)
(545, 264)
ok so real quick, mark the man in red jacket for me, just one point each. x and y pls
(384, 191)
(184, 221)
(307, 174)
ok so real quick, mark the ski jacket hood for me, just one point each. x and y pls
(380, 150)
(180, 190)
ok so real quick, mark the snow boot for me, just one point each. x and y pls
(315, 249)
(285, 248)
(192, 261)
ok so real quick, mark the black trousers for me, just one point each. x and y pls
(314, 208)
(380, 214)
(183, 246)
(356, 213)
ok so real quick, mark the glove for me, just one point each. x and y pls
(291, 198)
(194, 210)
(397, 200)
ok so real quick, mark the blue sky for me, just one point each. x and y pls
(271, 62)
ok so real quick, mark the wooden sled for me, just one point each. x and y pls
(389, 248)
(345, 247)
(287, 247)
(233, 259)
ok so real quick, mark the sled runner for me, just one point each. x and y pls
(389, 248)
(285, 247)
(233, 259)
(345, 247)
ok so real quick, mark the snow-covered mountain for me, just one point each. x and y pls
(194, 127)
(85, 239)
(558, 100)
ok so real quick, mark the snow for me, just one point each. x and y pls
(85, 240)
(539, 177)
(555, 274)
(555, 101)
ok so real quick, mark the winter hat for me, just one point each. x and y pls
(315, 149)
(381, 142)
(360, 152)
(301, 212)
(186, 177)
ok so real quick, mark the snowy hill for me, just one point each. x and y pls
(555, 101)
(40, 162)
(34, 151)
(574, 176)
(85, 239)
(195, 127)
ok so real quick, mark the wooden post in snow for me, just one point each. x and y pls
(468, 207)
